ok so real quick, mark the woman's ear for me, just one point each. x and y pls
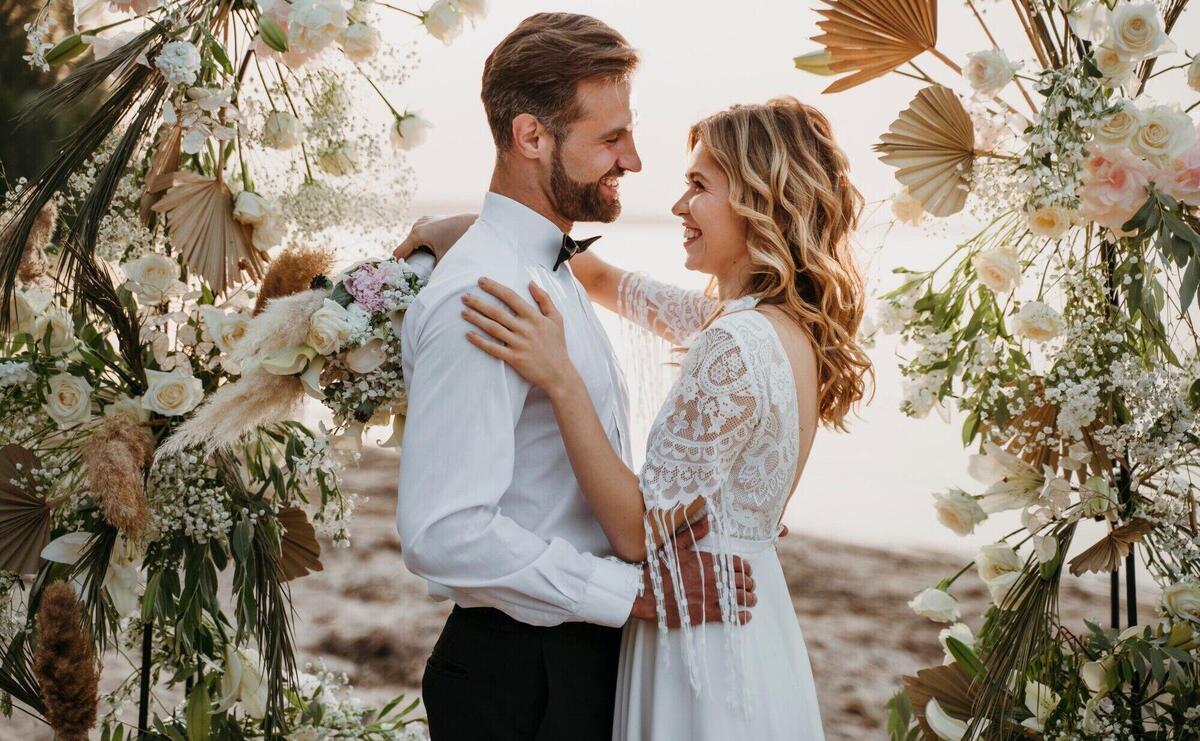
(528, 139)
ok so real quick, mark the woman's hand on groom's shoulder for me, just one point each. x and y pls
(435, 235)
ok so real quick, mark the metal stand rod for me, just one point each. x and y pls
(1131, 586)
(144, 694)
(1115, 598)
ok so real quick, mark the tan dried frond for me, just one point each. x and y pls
(292, 272)
(163, 166)
(34, 263)
(299, 549)
(24, 512)
(115, 458)
(1106, 555)
(256, 398)
(65, 663)
(282, 325)
(932, 145)
(950, 685)
(873, 37)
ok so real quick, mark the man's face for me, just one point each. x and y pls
(596, 151)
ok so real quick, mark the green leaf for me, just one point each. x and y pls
(965, 657)
(970, 428)
(1194, 393)
(151, 594)
(66, 50)
(1189, 284)
(241, 539)
(199, 713)
(341, 295)
(900, 723)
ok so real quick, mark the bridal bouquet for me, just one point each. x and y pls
(1064, 332)
(217, 176)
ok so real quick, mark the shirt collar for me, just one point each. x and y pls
(534, 233)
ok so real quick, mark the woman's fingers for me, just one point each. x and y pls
(496, 330)
(544, 302)
(497, 314)
(510, 298)
(495, 349)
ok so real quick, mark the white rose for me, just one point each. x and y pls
(1037, 321)
(959, 511)
(1115, 67)
(153, 278)
(1089, 20)
(328, 328)
(172, 394)
(1193, 74)
(251, 208)
(409, 131)
(1165, 133)
(960, 632)
(999, 567)
(1121, 125)
(25, 309)
(360, 11)
(62, 330)
(473, 9)
(988, 71)
(313, 24)
(907, 208)
(998, 269)
(270, 232)
(129, 408)
(281, 130)
(68, 400)
(360, 42)
(179, 62)
(1051, 221)
(339, 159)
(223, 328)
(1136, 30)
(1182, 600)
(443, 21)
(936, 605)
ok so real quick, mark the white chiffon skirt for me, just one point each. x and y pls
(655, 700)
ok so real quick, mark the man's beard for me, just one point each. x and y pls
(581, 201)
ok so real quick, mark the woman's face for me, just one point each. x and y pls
(714, 235)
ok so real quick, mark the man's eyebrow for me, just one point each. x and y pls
(616, 130)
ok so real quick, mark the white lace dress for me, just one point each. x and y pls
(729, 432)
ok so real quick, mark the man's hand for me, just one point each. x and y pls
(699, 584)
(437, 235)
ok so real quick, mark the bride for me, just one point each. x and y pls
(771, 353)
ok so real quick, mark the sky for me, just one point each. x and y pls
(873, 485)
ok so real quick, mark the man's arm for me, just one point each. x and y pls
(458, 458)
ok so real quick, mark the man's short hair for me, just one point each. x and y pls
(537, 68)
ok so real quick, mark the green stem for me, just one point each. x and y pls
(379, 92)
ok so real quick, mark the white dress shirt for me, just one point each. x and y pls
(489, 511)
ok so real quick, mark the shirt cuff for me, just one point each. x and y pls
(610, 593)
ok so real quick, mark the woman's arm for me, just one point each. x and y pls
(599, 278)
(534, 345)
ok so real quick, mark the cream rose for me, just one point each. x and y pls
(1182, 600)
(1051, 221)
(988, 71)
(409, 131)
(153, 278)
(1038, 322)
(313, 24)
(935, 604)
(958, 511)
(999, 566)
(960, 632)
(328, 328)
(62, 330)
(1136, 30)
(68, 400)
(1115, 67)
(25, 309)
(225, 329)
(1193, 74)
(281, 130)
(251, 208)
(1166, 132)
(998, 269)
(907, 208)
(360, 42)
(172, 394)
(1121, 125)
(443, 21)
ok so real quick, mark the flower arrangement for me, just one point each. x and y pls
(138, 273)
(1064, 332)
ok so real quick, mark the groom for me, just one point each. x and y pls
(489, 512)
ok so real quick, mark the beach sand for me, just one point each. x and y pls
(367, 616)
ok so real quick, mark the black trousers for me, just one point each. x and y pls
(492, 678)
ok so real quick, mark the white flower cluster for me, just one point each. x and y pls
(184, 501)
(16, 373)
(179, 62)
(37, 33)
(330, 698)
(204, 113)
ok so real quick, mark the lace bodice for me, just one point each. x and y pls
(729, 430)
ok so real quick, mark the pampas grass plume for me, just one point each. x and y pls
(65, 663)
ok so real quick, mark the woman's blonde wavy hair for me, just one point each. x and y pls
(790, 180)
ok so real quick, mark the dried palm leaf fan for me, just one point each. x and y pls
(199, 213)
(873, 37)
(162, 168)
(24, 513)
(950, 685)
(1107, 554)
(299, 552)
(932, 145)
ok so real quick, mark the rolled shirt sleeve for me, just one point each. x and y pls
(457, 463)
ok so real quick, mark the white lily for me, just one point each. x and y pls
(1041, 701)
(122, 578)
(1012, 483)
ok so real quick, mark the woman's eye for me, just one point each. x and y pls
(697, 185)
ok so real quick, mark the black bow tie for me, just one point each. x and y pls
(571, 248)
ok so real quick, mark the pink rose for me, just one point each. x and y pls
(1115, 185)
(1181, 178)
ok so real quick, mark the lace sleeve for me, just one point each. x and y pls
(668, 311)
(709, 417)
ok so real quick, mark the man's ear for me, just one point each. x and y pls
(529, 136)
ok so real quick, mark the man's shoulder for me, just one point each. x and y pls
(483, 251)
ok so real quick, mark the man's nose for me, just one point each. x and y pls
(629, 159)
